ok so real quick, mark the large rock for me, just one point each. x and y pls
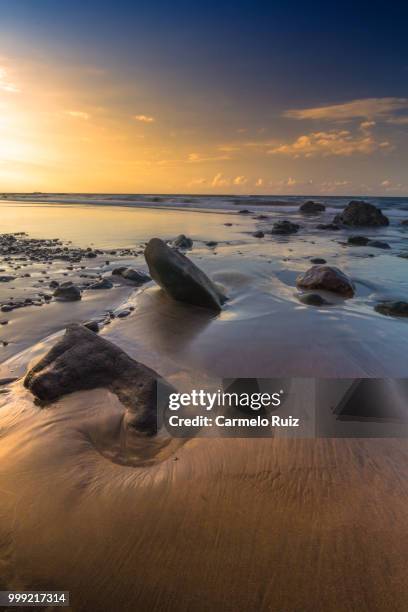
(83, 360)
(312, 208)
(180, 277)
(327, 278)
(67, 292)
(361, 214)
(183, 242)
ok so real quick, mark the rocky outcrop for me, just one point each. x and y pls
(326, 278)
(83, 360)
(361, 214)
(180, 277)
(312, 208)
(67, 292)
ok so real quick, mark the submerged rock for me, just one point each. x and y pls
(326, 278)
(285, 227)
(379, 244)
(183, 242)
(311, 208)
(67, 292)
(328, 226)
(404, 222)
(180, 277)
(258, 234)
(93, 326)
(83, 360)
(358, 240)
(393, 309)
(137, 277)
(313, 299)
(361, 214)
(211, 243)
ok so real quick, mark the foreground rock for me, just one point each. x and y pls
(364, 241)
(393, 309)
(180, 277)
(361, 214)
(313, 299)
(326, 278)
(312, 208)
(285, 227)
(83, 360)
(67, 292)
(104, 283)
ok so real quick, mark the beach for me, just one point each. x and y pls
(157, 523)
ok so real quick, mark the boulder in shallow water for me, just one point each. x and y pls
(359, 213)
(183, 242)
(285, 227)
(318, 260)
(104, 283)
(379, 244)
(326, 278)
(312, 208)
(358, 240)
(393, 308)
(136, 277)
(180, 277)
(82, 360)
(67, 292)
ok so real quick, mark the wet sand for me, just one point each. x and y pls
(212, 524)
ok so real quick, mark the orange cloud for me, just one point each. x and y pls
(144, 118)
(362, 108)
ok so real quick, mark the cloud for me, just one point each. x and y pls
(5, 84)
(197, 157)
(220, 181)
(401, 120)
(197, 182)
(144, 118)
(240, 180)
(259, 182)
(368, 108)
(341, 143)
(79, 115)
(386, 183)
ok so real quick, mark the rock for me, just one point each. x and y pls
(93, 326)
(180, 277)
(104, 283)
(244, 211)
(211, 243)
(67, 292)
(228, 224)
(54, 284)
(118, 271)
(313, 299)
(6, 308)
(83, 360)
(327, 278)
(90, 254)
(258, 234)
(318, 260)
(285, 227)
(123, 313)
(328, 226)
(393, 309)
(404, 222)
(379, 244)
(136, 276)
(311, 208)
(261, 217)
(182, 242)
(361, 214)
(358, 240)
(7, 279)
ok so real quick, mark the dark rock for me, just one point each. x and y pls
(328, 226)
(90, 254)
(361, 214)
(6, 308)
(404, 222)
(228, 224)
(313, 299)
(7, 279)
(318, 260)
(83, 360)
(54, 284)
(393, 309)
(123, 313)
(136, 276)
(244, 211)
(358, 240)
(258, 234)
(93, 326)
(379, 244)
(211, 243)
(183, 242)
(327, 278)
(104, 283)
(311, 208)
(261, 217)
(180, 277)
(67, 292)
(118, 271)
(285, 227)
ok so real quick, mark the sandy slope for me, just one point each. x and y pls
(214, 524)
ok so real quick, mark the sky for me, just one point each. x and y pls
(215, 97)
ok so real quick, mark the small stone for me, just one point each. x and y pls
(393, 309)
